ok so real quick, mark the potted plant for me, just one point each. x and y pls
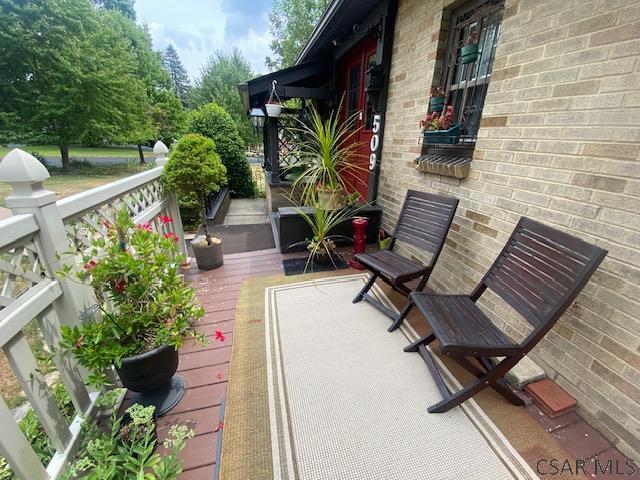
(273, 108)
(194, 166)
(136, 273)
(437, 127)
(329, 153)
(469, 52)
(384, 240)
(436, 99)
(321, 246)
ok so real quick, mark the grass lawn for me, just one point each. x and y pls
(76, 151)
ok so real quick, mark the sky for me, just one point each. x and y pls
(198, 28)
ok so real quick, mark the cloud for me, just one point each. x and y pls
(199, 28)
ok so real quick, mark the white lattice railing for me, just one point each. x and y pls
(32, 243)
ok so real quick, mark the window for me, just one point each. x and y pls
(465, 84)
(368, 119)
(353, 91)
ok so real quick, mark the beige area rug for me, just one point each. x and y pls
(340, 441)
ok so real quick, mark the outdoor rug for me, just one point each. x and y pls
(327, 393)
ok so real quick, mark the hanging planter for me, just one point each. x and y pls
(469, 53)
(436, 104)
(274, 104)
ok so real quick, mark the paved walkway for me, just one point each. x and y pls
(247, 211)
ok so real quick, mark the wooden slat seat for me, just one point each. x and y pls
(393, 266)
(460, 326)
(423, 223)
(539, 273)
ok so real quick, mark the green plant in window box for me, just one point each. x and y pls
(136, 272)
(437, 127)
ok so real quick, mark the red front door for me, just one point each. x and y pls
(354, 98)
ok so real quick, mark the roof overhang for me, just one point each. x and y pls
(337, 22)
(300, 81)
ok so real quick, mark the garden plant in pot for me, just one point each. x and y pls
(195, 166)
(146, 311)
(436, 99)
(469, 52)
(437, 127)
(329, 153)
(321, 246)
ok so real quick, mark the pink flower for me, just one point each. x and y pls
(165, 219)
(106, 224)
(145, 226)
(219, 336)
(90, 265)
(220, 426)
(171, 236)
(219, 375)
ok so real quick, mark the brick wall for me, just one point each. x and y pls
(559, 142)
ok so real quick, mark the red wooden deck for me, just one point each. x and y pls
(205, 368)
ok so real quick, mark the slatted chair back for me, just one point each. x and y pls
(540, 272)
(424, 221)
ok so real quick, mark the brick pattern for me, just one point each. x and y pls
(559, 142)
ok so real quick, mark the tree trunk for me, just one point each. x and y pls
(205, 227)
(141, 155)
(64, 153)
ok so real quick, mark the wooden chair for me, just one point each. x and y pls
(539, 273)
(424, 221)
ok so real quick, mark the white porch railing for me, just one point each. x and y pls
(33, 243)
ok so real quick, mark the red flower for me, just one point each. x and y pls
(90, 265)
(219, 336)
(171, 236)
(220, 426)
(119, 287)
(79, 342)
(165, 219)
(145, 226)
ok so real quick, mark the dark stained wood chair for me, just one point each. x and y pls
(424, 221)
(539, 273)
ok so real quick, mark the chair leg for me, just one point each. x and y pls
(401, 316)
(366, 288)
(460, 396)
(426, 340)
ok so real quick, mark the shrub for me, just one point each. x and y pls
(194, 168)
(213, 121)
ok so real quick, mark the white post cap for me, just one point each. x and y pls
(160, 150)
(25, 174)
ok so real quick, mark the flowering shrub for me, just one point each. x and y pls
(438, 120)
(137, 273)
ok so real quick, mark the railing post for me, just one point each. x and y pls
(273, 148)
(25, 174)
(161, 150)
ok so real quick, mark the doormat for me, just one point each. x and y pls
(297, 266)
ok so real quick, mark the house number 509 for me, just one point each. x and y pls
(375, 142)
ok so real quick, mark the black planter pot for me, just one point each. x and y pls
(150, 370)
(152, 376)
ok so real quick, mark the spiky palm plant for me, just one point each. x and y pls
(329, 151)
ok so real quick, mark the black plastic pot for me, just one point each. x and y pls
(149, 371)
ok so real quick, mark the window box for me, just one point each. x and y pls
(449, 136)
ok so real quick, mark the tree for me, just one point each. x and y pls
(179, 76)
(125, 7)
(221, 75)
(291, 24)
(66, 75)
(194, 167)
(213, 121)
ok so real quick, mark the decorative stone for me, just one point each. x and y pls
(525, 372)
